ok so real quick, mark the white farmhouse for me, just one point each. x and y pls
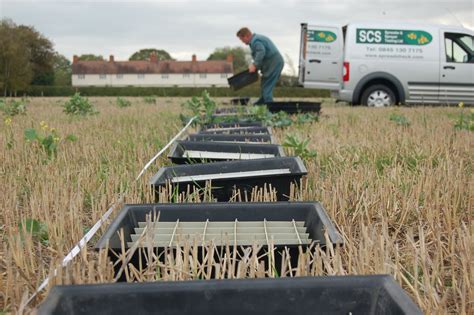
(163, 73)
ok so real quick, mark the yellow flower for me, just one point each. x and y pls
(56, 139)
(461, 104)
(411, 36)
(329, 38)
(322, 35)
(43, 125)
(8, 121)
(472, 111)
(53, 130)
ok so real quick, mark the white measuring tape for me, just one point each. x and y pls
(89, 235)
(166, 147)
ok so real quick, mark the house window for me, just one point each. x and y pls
(186, 75)
(203, 75)
(164, 76)
(81, 76)
(119, 76)
(224, 75)
(102, 76)
(141, 76)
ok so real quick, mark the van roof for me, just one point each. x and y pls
(393, 23)
(397, 23)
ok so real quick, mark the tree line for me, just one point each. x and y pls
(28, 58)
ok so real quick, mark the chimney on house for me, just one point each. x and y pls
(111, 58)
(153, 57)
(75, 59)
(194, 58)
(230, 58)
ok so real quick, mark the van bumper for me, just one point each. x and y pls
(342, 95)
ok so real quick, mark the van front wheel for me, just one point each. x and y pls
(378, 95)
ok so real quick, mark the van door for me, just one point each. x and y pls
(457, 68)
(321, 57)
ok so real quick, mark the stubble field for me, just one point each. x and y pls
(399, 193)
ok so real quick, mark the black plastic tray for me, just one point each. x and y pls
(231, 110)
(294, 107)
(220, 151)
(312, 213)
(241, 130)
(242, 79)
(262, 138)
(376, 294)
(236, 124)
(281, 173)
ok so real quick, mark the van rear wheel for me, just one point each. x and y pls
(378, 95)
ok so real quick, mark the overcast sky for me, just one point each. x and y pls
(184, 27)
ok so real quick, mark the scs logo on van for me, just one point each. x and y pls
(393, 37)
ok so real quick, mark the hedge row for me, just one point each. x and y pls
(252, 91)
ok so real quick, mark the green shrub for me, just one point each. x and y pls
(306, 118)
(252, 91)
(204, 108)
(47, 142)
(122, 102)
(150, 99)
(13, 107)
(78, 105)
(281, 119)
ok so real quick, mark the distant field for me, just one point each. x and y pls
(397, 183)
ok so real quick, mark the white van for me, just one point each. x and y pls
(382, 64)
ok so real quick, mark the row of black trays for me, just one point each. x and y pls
(226, 156)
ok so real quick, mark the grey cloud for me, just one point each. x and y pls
(183, 27)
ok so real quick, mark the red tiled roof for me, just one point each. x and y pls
(143, 66)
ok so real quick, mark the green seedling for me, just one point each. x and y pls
(299, 147)
(37, 229)
(122, 102)
(13, 107)
(399, 119)
(79, 106)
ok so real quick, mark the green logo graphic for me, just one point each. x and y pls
(393, 37)
(321, 36)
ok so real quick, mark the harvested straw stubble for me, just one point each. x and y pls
(90, 234)
(386, 188)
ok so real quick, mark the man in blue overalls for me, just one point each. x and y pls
(266, 58)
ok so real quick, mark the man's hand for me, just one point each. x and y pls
(252, 68)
